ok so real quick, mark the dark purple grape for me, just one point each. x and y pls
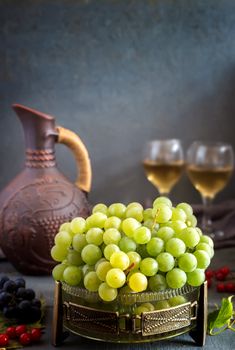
(9, 286)
(10, 312)
(36, 302)
(5, 298)
(21, 293)
(24, 305)
(35, 314)
(29, 294)
(20, 282)
(3, 280)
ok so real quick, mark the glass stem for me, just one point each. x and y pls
(206, 217)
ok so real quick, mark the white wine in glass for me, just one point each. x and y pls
(209, 167)
(163, 162)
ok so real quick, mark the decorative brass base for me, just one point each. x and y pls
(109, 325)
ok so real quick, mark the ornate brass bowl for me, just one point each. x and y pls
(83, 313)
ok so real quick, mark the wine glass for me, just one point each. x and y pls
(209, 167)
(163, 162)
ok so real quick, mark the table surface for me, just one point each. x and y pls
(45, 285)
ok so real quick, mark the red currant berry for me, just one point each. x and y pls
(20, 330)
(4, 339)
(220, 287)
(230, 287)
(209, 273)
(219, 276)
(11, 332)
(25, 339)
(224, 270)
(36, 334)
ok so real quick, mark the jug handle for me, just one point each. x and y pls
(73, 141)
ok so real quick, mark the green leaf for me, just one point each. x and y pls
(220, 319)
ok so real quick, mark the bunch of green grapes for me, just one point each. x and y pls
(127, 248)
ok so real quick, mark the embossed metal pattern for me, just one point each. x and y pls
(84, 318)
(157, 322)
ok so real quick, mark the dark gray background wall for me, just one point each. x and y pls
(119, 73)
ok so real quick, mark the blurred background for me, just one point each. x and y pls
(119, 73)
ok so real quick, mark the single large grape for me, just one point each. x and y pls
(203, 259)
(187, 262)
(142, 235)
(115, 278)
(94, 236)
(106, 292)
(63, 238)
(72, 275)
(74, 258)
(126, 244)
(100, 208)
(91, 254)
(196, 277)
(149, 266)
(111, 236)
(117, 209)
(186, 207)
(134, 258)
(157, 283)
(120, 260)
(138, 282)
(96, 220)
(178, 214)
(78, 225)
(190, 236)
(155, 246)
(162, 200)
(102, 270)
(135, 212)
(59, 253)
(165, 261)
(165, 233)
(162, 213)
(91, 281)
(176, 278)
(175, 247)
(58, 271)
(113, 222)
(129, 226)
(79, 242)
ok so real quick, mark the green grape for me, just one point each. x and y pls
(196, 277)
(157, 283)
(155, 246)
(57, 272)
(59, 253)
(120, 260)
(178, 214)
(79, 242)
(129, 226)
(135, 212)
(191, 221)
(140, 309)
(162, 200)
(175, 247)
(162, 304)
(177, 300)
(100, 208)
(111, 236)
(134, 258)
(127, 244)
(138, 282)
(203, 259)
(187, 262)
(207, 240)
(107, 293)
(78, 225)
(190, 237)
(186, 207)
(117, 209)
(102, 270)
(115, 278)
(99, 261)
(165, 233)
(165, 261)
(135, 204)
(113, 222)
(142, 235)
(162, 213)
(206, 248)
(87, 268)
(94, 236)
(109, 250)
(91, 281)
(147, 214)
(65, 227)
(149, 306)
(96, 220)
(63, 238)
(199, 231)
(74, 258)
(148, 267)
(178, 226)
(151, 225)
(91, 254)
(72, 275)
(176, 278)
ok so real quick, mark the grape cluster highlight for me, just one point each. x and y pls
(130, 249)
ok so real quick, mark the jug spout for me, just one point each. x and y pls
(39, 128)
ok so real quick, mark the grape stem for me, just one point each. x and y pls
(155, 218)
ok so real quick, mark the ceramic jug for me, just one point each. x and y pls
(41, 198)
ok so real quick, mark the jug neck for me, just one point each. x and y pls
(40, 135)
